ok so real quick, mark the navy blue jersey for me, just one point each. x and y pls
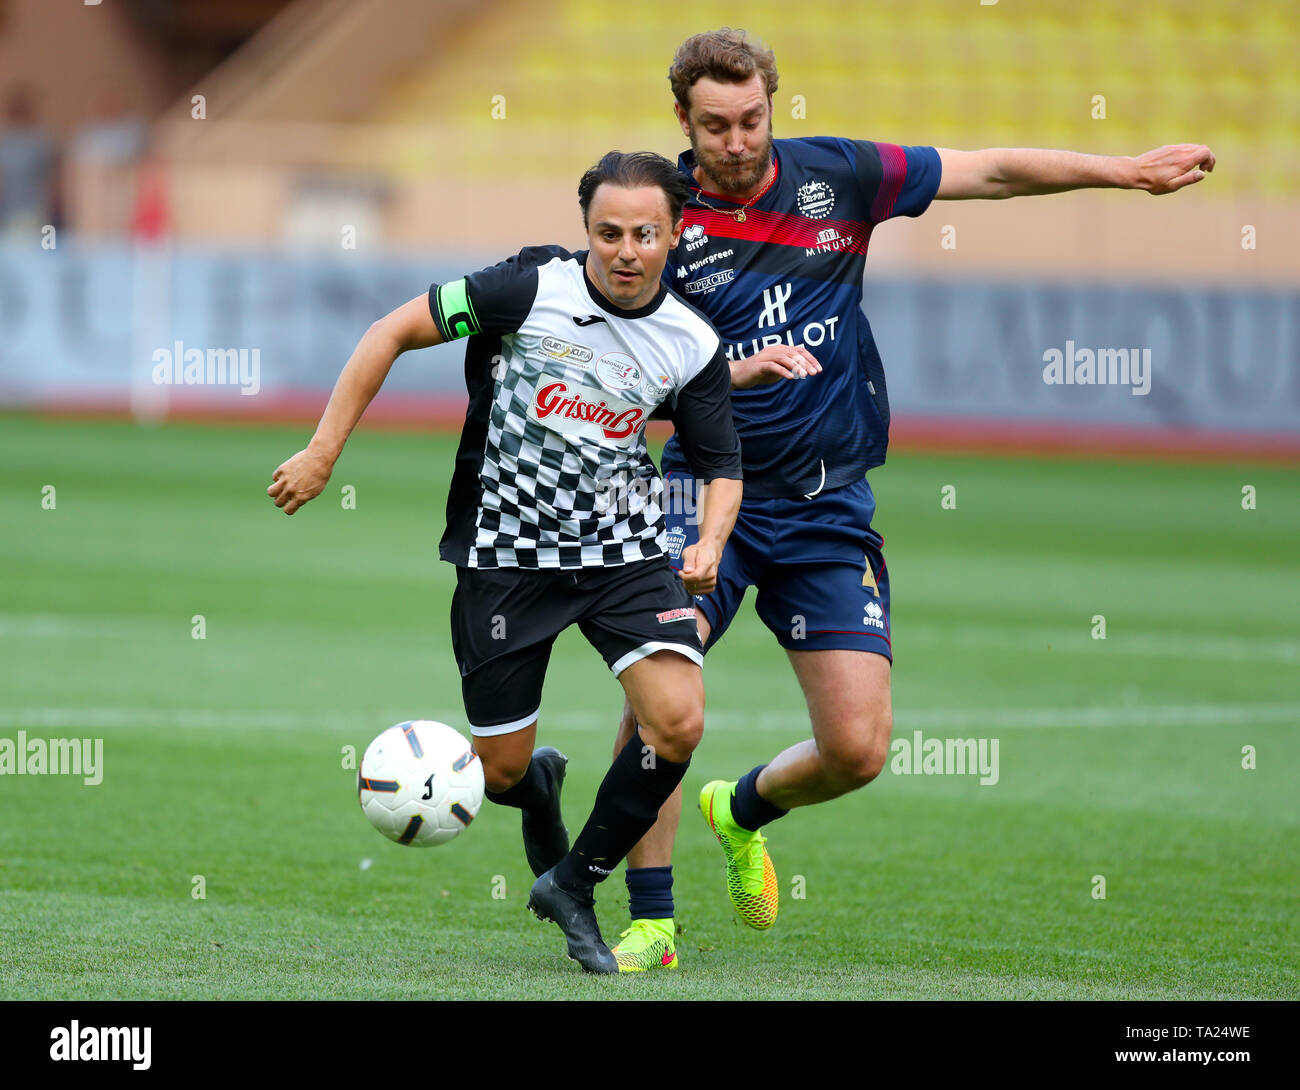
(791, 273)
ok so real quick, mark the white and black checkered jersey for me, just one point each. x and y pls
(552, 469)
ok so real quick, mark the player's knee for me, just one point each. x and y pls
(848, 770)
(690, 731)
(856, 763)
(676, 734)
(869, 763)
(683, 735)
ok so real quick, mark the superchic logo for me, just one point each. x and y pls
(556, 407)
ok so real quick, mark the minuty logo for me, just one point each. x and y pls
(561, 410)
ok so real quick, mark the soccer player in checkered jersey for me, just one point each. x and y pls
(554, 513)
(772, 251)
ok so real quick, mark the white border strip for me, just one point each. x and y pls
(648, 649)
(505, 728)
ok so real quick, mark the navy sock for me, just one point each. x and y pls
(650, 893)
(532, 792)
(749, 809)
(627, 804)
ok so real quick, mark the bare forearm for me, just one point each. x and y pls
(356, 387)
(1026, 172)
(719, 505)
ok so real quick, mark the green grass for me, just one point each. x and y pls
(223, 757)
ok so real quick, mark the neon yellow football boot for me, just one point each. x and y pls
(751, 878)
(647, 944)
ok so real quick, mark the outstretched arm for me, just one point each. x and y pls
(304, 475)
(997, 173)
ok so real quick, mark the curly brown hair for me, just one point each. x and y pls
(724, 55)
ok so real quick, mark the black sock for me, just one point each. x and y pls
(532, 792)
(749, 809)
(650, 893)
(627, 804)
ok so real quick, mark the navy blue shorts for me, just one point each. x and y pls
(816, 563)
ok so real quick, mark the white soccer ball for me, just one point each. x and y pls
(420, 783)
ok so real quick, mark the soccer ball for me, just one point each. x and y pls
(420, 783)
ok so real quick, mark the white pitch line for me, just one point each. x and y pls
(1121, 641)
(48, 626)
(1137, 643)
(984, 719)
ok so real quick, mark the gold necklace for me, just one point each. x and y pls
(739, 213)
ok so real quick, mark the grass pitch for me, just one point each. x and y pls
(224, 767)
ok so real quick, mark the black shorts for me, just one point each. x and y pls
(504, 622)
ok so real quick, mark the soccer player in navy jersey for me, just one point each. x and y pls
(772, 251)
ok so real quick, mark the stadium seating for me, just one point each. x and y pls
(948, 72)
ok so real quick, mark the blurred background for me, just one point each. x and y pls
(272, 175)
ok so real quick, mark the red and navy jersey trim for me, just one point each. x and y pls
(782, 228)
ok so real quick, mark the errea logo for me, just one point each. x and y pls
(873, 615)
(694, 237)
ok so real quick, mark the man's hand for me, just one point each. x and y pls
(1168, 169)
(774, 363)
(300, 479)
(700, 567)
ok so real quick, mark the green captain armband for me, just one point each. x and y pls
(455, 312)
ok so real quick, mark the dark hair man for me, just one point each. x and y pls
(553, 516)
